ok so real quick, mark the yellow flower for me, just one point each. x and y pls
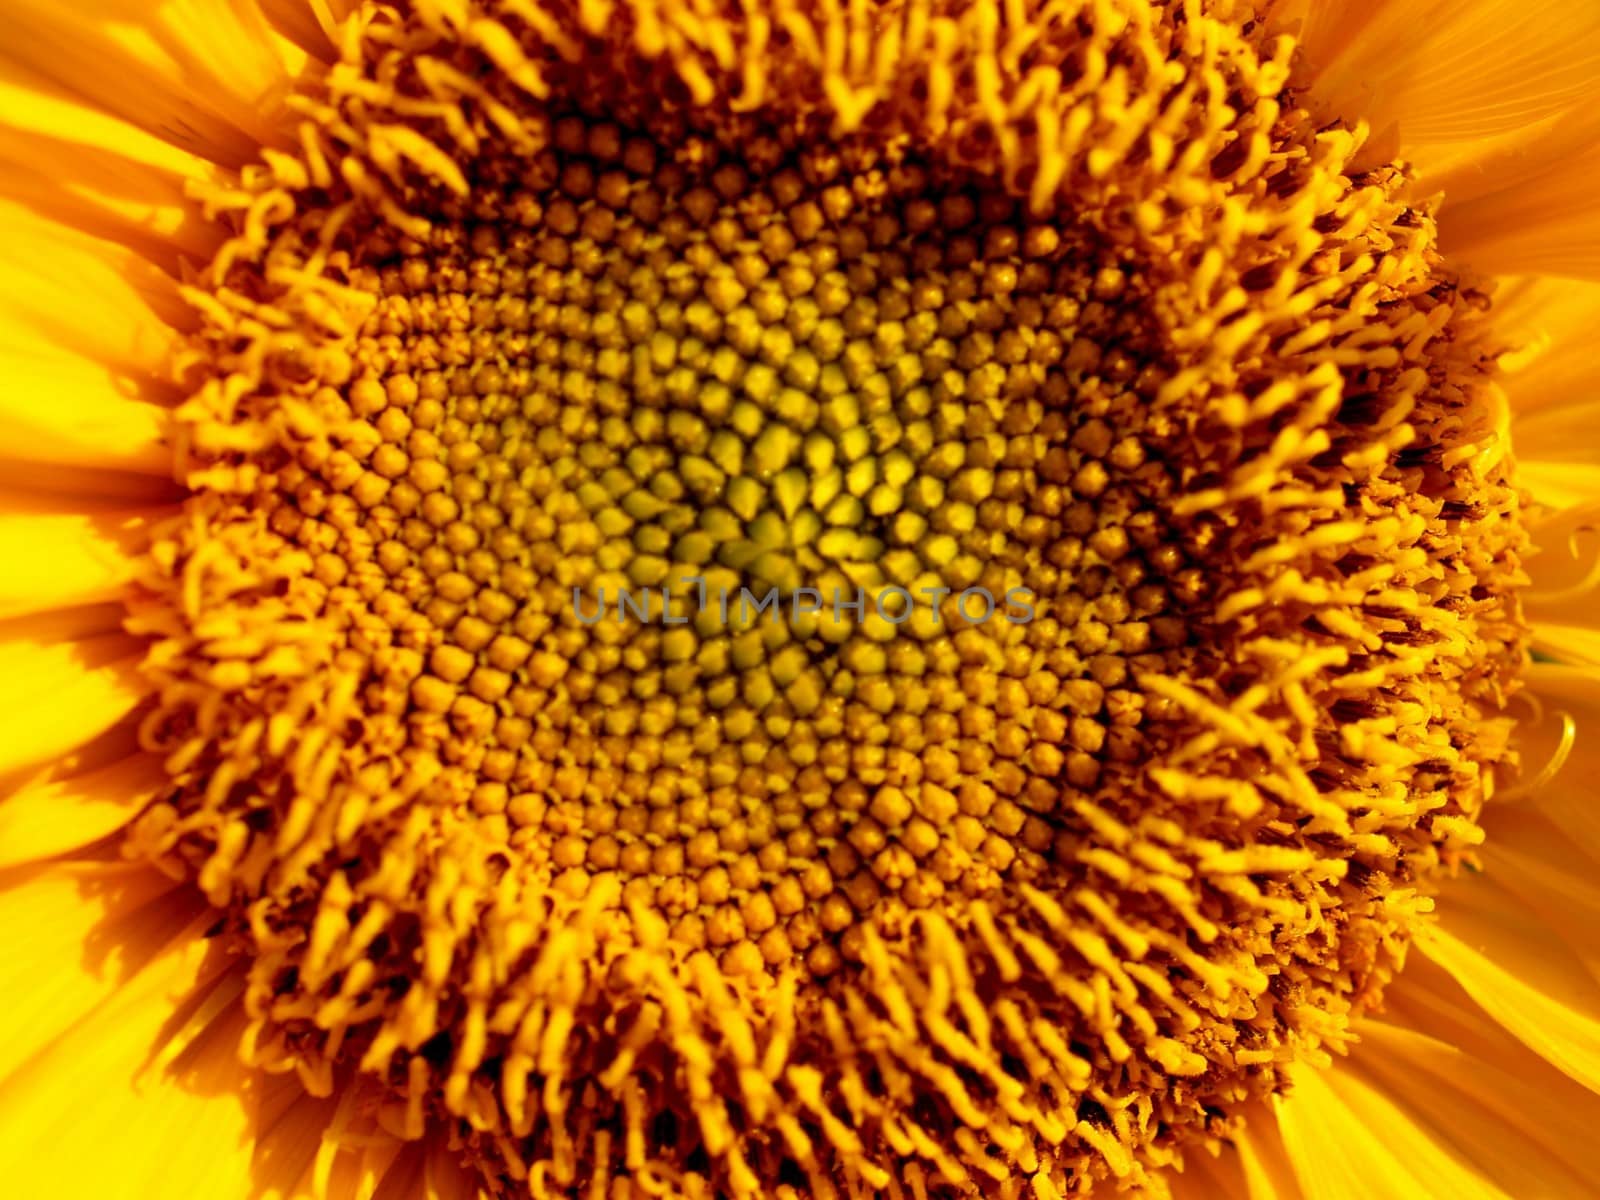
(661, 599)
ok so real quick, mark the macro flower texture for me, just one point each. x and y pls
(800, 599)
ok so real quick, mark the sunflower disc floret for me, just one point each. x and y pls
(565, 302)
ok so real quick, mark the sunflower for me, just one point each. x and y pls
(1090, 666)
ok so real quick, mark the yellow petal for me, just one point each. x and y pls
(1557, 739)
(1528, 207)
(56, 696)
(1578, 644)
(1519, 1124)
(1553, 867)
(313, 25)
(351, 1172)
(1443, 72)
(91, 419)
(446, 1177)
(1350, 1141)
(1550, 324)
(1511, 1132)
(311, 1148)
(1264, 1162)
(1543, 849)
(56, 560)
(1553, 438)
(1451, 1057)
(98, 173)
(79, 378)
(1326, 29)
(51, 816)
(1563, 746)
(290, 1129)
(75, 932)
(130, 1101)
(1552, 377)
(206, 75)
(1204, 1178)
(292, 1134)
(1254, 1167)
(1559, 484)
(427, 1170)
(1564, 566)
(48, 270)
(1521, 971)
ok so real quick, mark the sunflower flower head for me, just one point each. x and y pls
(1086, 318)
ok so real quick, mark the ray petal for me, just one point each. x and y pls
(57, 560)
(56, 696)
(76, 932)
(205, 75)
(1349, 1140)
(52, 816)
(97, 173)
(68, 291)
(1522, 972)
(1528, 206)
(1441, 74)
(132, 1101)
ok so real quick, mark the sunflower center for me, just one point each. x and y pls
(707, 650)
(746, 533)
